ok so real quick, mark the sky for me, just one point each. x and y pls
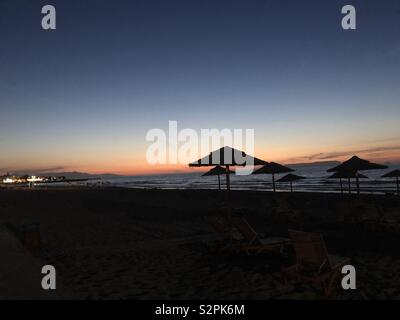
(83, 97)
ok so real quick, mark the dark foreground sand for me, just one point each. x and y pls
(152, 244)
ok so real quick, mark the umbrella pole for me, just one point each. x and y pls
(273, 182)
(357, 183)
(228, 188)
(398, 187)
(291, 186)
(341, 186)
(228, 202)
(349, 186)
(219, 182)
(228, 182)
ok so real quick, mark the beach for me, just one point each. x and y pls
(115, 243)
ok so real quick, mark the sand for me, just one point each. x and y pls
(113, 243)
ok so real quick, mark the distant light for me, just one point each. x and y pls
(35, 179)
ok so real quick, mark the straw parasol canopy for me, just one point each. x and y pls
(227, 157)
(216, 171)
(346, 175)
(290, 178)
(356, 164)
(273, 168)
(394, 174)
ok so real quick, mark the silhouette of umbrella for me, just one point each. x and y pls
(290, 178)
(394, 174)
(346, 175)
(273, 168)
(356, 164)
(216, 171)
(227, 157)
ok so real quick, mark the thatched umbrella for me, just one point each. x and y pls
(290, 178)
(273, 168)
(356, 164)
(394, 174)
(227, 157)
(346, 175)
(216, 171)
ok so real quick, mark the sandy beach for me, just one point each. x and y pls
(154, 244)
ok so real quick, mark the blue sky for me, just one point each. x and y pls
(84, 96)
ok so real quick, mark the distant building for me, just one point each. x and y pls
(8, 180)
(11, 179)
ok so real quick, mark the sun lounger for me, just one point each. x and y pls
(252, 242)
(314, 264)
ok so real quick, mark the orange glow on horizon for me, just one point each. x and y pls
(147, 169)
(136, 164)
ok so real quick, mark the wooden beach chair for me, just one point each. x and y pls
(314, 265)
(253, 242)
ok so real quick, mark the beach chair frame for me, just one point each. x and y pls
(314, 265)
(252, 241)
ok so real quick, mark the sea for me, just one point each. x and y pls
(316, 181)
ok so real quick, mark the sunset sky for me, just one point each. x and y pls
(84, 96)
